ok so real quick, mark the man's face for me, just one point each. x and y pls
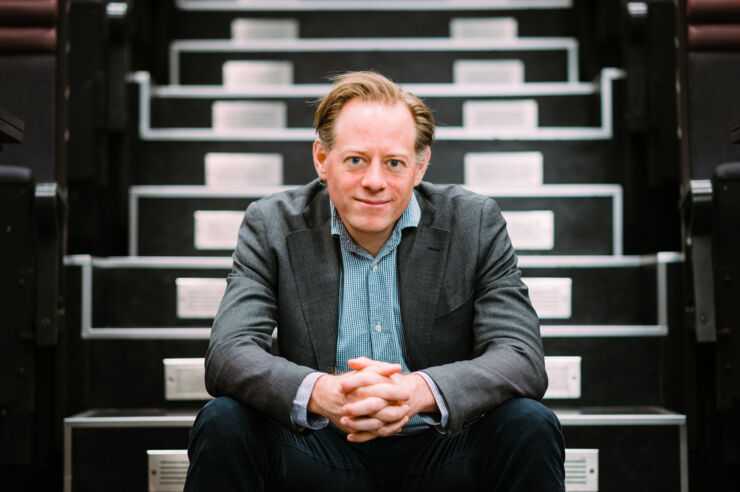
(371, 171)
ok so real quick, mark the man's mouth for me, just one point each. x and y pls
(372, 202)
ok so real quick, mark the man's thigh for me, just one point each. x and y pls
(516, 447)
(325, 460)
(321, 460)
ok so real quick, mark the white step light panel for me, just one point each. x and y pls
(504, 168)
(217, 229)
(199, 298)
(167, 469)
(531, 229)
(245, 29)
(582, 470)
(241, 169)
(486, 27)
(564, 374)
(238, 74)
(241, 114)
(515, 115)
(551, 296)
(509, 72)
(184, 379)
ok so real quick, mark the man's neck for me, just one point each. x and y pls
(370, 242)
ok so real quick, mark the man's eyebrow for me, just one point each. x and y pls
(393, 154)
(353, 150)
(399, 156)
(349, 152)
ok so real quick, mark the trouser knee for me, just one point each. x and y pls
(224, 423)
(227, 448)
(524, 448)
(526, 422)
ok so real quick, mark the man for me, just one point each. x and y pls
(410, 355)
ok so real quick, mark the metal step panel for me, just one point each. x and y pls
(608, 82)
(107, 449)
(639, 449)
(141, 298)
(574, 380)
(563, 162)
(184, 378)
(129, 298)
(344, 23)
(569, 155)
(377, 5)
(161, 355)
(168, 470)
(596, 290)
(623, 372)
(131, 374)
(405, 59)
(170, 373)
(553, 219)
(551, 111)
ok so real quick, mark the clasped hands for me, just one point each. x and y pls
(374, 399)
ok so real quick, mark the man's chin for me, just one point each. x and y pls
(370, 228)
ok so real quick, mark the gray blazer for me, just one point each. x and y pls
(467, 318)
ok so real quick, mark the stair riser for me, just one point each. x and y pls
(166, 226)
(571, 162)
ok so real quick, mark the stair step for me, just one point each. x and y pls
(550, 219)
(137, 297)
(350, 5)
(628, 448)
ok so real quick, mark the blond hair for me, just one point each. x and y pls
(371, 86)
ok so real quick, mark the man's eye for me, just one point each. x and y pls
(394, 163)
(355, 160)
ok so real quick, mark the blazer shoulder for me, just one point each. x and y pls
(454, 205)
(294, 207)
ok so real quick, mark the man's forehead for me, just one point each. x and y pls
(359, 117)
(362, 106)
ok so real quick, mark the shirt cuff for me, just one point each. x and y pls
(299, 414)
(435, 419)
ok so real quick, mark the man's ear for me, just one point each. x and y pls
(319, 159)
(421, 166)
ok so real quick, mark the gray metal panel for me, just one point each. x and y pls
(614, 192)
(319, 5)
(603, 132)
(87, 263)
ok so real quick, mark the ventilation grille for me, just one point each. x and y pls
(582, 470)
(167, 469)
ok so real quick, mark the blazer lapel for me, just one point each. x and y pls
(315, 261)
(422, 260)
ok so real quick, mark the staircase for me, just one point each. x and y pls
(516, 121)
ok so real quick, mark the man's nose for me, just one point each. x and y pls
(374, 178)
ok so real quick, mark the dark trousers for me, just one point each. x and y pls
(516, 447)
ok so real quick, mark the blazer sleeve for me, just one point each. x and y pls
(508, 359)
(238, 361)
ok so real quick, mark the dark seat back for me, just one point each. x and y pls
(17, 269)
(726, 241)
